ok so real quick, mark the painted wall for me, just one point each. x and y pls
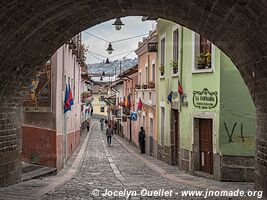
(97, 104)
(62, 133)
(168, 82)
(236, 107)
(223, 78)
(146, 60)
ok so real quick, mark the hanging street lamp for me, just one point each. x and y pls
(118, 23)
(107, 61)
(110, 49)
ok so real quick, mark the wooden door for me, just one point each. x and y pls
(205, 145)
(175, 138)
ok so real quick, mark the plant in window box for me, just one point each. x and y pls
(208, 60)
(144, 86)
(161, 69)
(151, 84)
(137, 86)
(174, 66)
(201, 61)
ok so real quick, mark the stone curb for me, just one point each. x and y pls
(57, 182)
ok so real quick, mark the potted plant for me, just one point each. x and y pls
(201, 61)
(151, 84)
(144, 86)
(137, 86)
(208, 60)
(161, 69)
(174, 66)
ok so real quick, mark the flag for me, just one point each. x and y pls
(129, 101)
(70, 97)
(180, 88)
(124, 101)
(67, 106)
(140, 105)
(126, 104)
(170, 97)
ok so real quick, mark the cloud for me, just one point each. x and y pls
(133, 27)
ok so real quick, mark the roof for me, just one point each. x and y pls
(129, 71)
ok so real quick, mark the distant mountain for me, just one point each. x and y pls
(126, 63)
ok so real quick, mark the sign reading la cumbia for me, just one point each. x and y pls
(205, 99)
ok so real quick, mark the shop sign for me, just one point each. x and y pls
(205, 99)
(134, 116)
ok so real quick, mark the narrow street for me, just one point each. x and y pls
(121, 168)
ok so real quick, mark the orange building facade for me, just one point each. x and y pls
(146, 91)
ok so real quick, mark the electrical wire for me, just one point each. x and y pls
(116, 41)
(121, 54)
(129, 38)
(95, 57)
(97, 54)
(96, 36)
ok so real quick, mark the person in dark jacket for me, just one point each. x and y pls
(109, 133)
(142, 140)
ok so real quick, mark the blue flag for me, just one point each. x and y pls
(67, 106)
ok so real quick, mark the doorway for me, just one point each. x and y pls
(175, 137)
(205, 145)
(151, 140)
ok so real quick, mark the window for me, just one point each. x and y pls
(146, 75)
(175, 51)
(154, 73)
(203, 51)
(102, 109)
(162, 56)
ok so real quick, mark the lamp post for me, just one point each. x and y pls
(110, 49)
(118, 23)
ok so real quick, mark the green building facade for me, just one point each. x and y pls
(206, 117)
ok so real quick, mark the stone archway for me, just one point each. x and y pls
(31, 31)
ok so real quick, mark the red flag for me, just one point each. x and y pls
(67, 106)
(70, 97)
(180, 88)
(140, 105)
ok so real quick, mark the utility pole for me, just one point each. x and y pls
(120, 67)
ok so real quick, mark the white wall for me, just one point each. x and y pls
(64, 63)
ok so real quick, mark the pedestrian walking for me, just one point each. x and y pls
(142, 140)
(102, 124)
(115, 127)
(109, 133)
(87, 125)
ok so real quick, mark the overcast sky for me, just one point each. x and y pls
(133, 26)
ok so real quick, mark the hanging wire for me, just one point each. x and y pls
(121, 54)
(95, 56)
(96, 36)
(129, 53)
(129, 38)
(116, 41)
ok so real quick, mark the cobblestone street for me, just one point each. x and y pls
(117, 168)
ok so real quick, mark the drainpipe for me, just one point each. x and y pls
(181, 61)
(128, 78)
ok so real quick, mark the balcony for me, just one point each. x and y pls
(152, 47)
(148, 96)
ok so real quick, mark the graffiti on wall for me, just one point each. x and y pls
(234, 136)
